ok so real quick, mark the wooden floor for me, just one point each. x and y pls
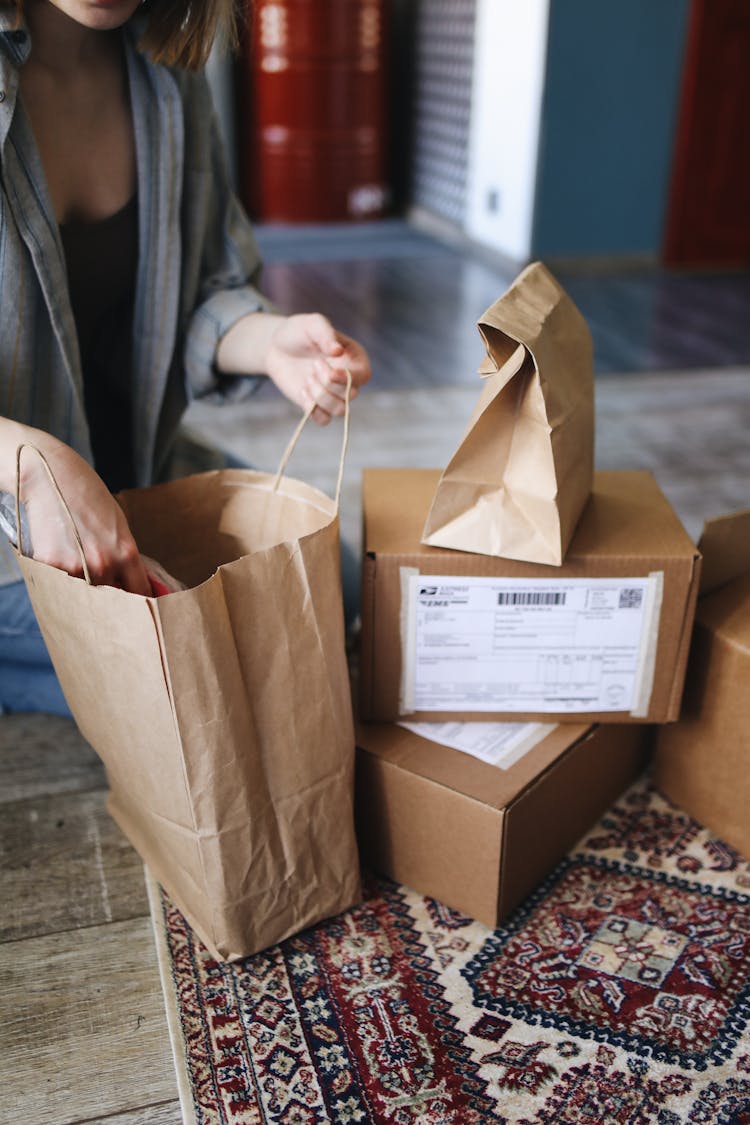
(83, 1036)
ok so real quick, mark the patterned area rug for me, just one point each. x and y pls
(619, 993)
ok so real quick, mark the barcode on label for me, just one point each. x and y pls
(530, 597)
(631, 599)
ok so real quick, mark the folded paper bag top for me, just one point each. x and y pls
(522, 473)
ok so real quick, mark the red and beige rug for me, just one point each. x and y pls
(619, 993)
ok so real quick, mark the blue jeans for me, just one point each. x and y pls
(27, 678)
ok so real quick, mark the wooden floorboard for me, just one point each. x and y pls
(169, 1113)
(83, 1036)
(44, 754)
(65, 865)
(84, 1032)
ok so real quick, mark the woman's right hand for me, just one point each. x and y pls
(111, 552)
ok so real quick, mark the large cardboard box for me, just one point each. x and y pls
(703, 762)
(452, 635)
(474, 836)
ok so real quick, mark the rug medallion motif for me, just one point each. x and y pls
(618, 993)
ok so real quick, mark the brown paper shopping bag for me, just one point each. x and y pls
(518, 481)
(222, 712)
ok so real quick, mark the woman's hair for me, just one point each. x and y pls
(180, 32)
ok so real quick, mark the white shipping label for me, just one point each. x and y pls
(520, 644)
(499, 744)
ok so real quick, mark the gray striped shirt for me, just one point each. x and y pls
(197, 265)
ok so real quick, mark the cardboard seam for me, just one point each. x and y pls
(367, 675)
(436, 784)
(483, 803)
(685, 641)
(503, 865)
(530, 785)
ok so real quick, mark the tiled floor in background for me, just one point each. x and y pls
(414, 302)
(689, 428)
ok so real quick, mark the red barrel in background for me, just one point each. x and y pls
(318, 105)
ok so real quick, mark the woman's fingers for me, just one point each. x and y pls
(326, 388)
(310, 362)
(109, 549)
(135, 578)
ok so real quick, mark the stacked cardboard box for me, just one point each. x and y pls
(702, 761)
(519, 587)
(474, 835)
(450, 634)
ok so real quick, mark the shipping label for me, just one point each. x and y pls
(528, 645)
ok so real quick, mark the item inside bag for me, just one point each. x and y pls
(161, 581)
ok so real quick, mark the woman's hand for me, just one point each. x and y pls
(308, 360)
(111, 552)
(304, 355)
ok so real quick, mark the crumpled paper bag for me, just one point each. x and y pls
(519, 480)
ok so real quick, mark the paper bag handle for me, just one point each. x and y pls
(295, 438)
(60, 497)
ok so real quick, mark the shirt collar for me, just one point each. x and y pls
(15, 41)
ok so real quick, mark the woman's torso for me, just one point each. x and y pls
(101, 259)
(82, 124)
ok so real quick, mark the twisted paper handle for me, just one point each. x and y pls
(295, 438)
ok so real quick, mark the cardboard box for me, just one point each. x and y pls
(703, 762)
(474, 836)
(628, 531)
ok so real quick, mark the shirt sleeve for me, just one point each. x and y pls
(222, 262)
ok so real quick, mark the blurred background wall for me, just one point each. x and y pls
(563, 129)
(607, 122)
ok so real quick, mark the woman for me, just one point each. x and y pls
(127, 273)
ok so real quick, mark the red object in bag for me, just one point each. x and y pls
(158, 589)
(161, 582)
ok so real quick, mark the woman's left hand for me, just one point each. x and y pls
(308, 360)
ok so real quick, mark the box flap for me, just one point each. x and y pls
(725, 546)
(726, 612)
(460, 772)
(566, 801)
(627, 515)
(428, 837)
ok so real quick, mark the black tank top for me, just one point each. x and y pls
(101, 259)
